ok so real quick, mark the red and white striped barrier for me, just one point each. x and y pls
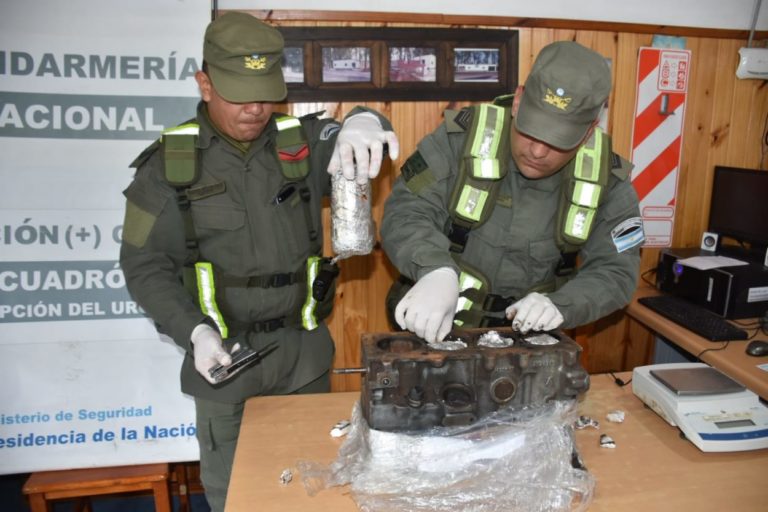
(657, 135)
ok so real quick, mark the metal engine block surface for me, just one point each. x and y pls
(412, 386)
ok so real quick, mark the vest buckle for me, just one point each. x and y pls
(268, 325)
(458, 235)
(567, 264)
(279, 280)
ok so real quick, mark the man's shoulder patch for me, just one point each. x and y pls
(416, 173)
(628, 234)
(620, 167)
(458, 121)
(414, 166)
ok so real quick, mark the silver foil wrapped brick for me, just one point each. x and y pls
(352, 226)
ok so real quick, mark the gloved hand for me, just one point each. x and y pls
(363, 138)
(208, 350)
(534, 311)
(428, 308)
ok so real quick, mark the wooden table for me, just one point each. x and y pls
(733, 360)
(651, 468)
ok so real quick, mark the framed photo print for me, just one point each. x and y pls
(293, 64)
(408, 64)
(346, 64)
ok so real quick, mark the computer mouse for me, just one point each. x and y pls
(757, 348)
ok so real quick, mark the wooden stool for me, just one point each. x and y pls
(45, 486)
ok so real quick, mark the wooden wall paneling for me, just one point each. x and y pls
(694, 168)
(539, 39)
(641, 342)
(625, 90)
(382, 276)
(355, 275)
(758, 123)
(525, 57)
(603, 343)
(750, 96)
(571, 35)
(719, 133)
(740, 147)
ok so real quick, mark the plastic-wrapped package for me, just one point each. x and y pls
(510, 460)
(352, 227)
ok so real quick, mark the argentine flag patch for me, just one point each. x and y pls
(628, 234)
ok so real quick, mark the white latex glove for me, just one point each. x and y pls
(208, 349)
(360, 148)
(428, 308)
(534, 311)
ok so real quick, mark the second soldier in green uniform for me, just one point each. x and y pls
(491, 211)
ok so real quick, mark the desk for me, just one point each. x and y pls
(732, 361)
(651, 468)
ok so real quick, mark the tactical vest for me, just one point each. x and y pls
(202, 279)
(482, 168)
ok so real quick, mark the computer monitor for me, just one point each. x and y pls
(739, 206)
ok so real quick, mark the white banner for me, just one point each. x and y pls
(85, 85)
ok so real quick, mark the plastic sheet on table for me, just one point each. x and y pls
(510, 460)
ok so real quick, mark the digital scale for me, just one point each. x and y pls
(714, 412)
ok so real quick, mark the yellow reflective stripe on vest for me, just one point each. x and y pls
(466, 281)
(586, 189)
(287, 122)
(486, 143)
(471, 203)
(578, 221)
(308, 318)
(487, 168)
(588, 158)
(482, 162)
(206, 289)
(586, 194)
(182, 129)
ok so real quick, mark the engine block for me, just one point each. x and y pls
(410, 385)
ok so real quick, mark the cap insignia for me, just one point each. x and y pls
(255, 61)
(557, 100)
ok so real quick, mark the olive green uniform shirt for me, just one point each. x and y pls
(515, 248)
(243, 231)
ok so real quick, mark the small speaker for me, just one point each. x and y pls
(710, 241)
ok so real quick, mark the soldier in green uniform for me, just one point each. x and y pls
(222, 238)
(493, 208)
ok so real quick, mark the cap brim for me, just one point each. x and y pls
(268, 87)
(549, 127)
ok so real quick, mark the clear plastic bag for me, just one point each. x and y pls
(508, 461)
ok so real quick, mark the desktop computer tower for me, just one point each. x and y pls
(731, 292)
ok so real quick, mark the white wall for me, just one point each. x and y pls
(724, 14)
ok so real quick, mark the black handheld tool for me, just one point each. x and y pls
(242, 358)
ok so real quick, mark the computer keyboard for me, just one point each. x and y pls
(703, 322)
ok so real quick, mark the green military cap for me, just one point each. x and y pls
(563, 95)
(244, 58)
